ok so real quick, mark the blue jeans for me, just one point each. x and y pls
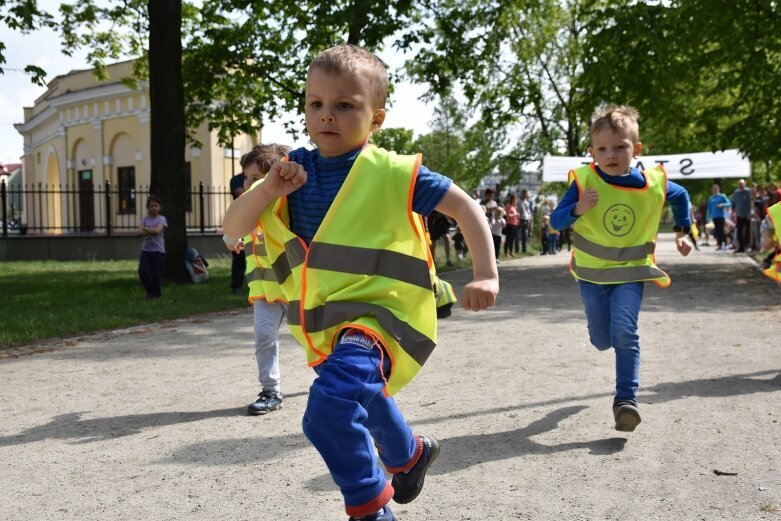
(348, 414)
(611, 313)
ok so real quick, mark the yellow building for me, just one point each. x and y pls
(81, 133)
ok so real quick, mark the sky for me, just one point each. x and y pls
(42, 48)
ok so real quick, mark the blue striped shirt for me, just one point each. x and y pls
(325, 176)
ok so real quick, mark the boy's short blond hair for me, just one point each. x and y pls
(352, 59)
(614, 117)
(264, 156)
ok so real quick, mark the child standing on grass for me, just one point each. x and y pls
(268, 303)
(152, 261)
(615, 210)
(357, 271)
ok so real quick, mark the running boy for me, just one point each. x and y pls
(344, 233)
(268, 302)
(615, 211)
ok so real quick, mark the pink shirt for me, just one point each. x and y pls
(513, 217)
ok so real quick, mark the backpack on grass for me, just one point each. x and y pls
(196, 266)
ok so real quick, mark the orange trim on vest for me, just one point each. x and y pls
(302, 307)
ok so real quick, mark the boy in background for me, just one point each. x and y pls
(615, 211)
(267, 300)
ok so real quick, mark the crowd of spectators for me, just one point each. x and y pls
(732, 221)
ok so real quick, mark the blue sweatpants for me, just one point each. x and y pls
(611, 312)
(347, 415)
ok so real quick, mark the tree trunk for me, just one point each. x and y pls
(168, 128)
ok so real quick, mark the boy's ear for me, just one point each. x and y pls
(378, 119)
(591, 152)
(637, 149)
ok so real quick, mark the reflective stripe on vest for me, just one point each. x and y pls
(618, 274)
(367, 261)
(261, 279)
(416, 344)
(294, 257)
(610, 253)
(261, 274)
(444, 293)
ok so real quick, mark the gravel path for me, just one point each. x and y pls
(148, 423)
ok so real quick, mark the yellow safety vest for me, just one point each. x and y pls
(774, 214)
(368, 267)
(261, 279)
(614, 242)
(445, 297)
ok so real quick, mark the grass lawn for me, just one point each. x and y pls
(45, 299)
(53, 299)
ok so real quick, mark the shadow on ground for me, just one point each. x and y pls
(500, 445)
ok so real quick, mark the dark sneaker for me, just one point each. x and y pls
(267, 401)
(383, 515)
(407, 485)
(627, 416)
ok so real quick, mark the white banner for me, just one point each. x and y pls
(697, 165)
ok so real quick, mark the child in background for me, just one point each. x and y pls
(152, 262)
(497, 223)
(615, 210)
(552, 235)
(460, 244)
(544, 227)
(268, 303)
(358, 276)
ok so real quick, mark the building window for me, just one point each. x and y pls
(188, 182)
(126, 175)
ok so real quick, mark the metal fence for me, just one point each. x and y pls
(99, 209)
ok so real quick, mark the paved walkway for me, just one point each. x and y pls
(148, 423)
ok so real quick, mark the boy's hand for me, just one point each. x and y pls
(236, 247)
(284, 178)
(588, 200)
(683, 244)
(480, 294)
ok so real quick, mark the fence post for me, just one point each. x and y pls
(202, 206)
(108, 207)
(2, 201)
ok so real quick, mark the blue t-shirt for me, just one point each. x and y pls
(713, 206)
(562, 217)
(325, 176)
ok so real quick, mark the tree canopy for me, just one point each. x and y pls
(703, 73)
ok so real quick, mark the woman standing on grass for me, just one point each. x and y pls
(152, 261)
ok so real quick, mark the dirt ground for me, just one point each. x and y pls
(148, 423)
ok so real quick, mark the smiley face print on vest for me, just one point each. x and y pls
(619, 220)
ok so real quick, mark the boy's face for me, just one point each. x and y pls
(613, 150)
(340, 111)
(252, 173)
